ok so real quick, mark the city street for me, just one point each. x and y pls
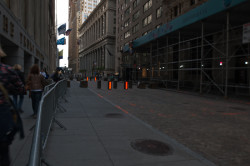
(187, 102)
(214, 127)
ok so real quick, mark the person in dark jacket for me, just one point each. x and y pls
(56, 75)
(9, 82)
(19, 103)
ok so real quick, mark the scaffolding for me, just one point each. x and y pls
(206, 57)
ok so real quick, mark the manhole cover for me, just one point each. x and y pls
(152, 147)
(114, 115)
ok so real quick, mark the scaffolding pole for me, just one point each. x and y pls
(202, 55)
(151, 56)
(227, 55)
(179, 57)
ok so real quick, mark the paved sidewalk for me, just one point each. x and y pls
(99, 133)
(20, 149)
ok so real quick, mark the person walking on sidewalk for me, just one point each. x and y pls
(9, 82)
(19, 103)
(57, 76)
(35, 83)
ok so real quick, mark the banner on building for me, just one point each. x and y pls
(62, 29)
(61, 41)
(68, 32)
(60, 54)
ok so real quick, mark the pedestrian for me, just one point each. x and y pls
(43, 73)
(19, 102)
(56, 75)
(35, 83)
(9, 82)
(47, 74)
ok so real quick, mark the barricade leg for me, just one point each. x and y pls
(45, 162)
(60, 124)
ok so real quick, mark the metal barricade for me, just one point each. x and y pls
(45, 118)
(48, 87)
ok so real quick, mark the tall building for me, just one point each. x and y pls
(78, 12)
(87, 7)
(198, 45)
(97, 36)
(139, 17)
(27, 33)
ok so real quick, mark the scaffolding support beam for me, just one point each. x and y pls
(151, 56)
(179, 57)
(202, 56)
(227, 55)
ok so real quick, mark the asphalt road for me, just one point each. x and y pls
(216, 128)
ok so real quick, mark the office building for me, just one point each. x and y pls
(198, 45)
(27, 33)
(87, 7)
(79, 10)
(97, 40)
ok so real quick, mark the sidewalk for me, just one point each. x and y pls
(100, 133)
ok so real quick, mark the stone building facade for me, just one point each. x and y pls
(78, 12)
(28, 33)
(97, 40)
(73, 42)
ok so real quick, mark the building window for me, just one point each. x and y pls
(135, 3)
(175, 11)
(147, 20)
(135, 28)
(126, 34)
(127, 12)
(144, 33)
(192, 2)
(147, 5)
(126, 23)
(159, 12)
(180, 8)
(126, 2)
(136, 15)
(158, 26)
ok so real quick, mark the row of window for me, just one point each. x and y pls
(145, 21)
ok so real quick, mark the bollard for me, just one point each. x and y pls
(130, 84)
(99, 84)
(68, 83)
(126, 85)
(115, 84)
(83, 84)
(109, 85)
